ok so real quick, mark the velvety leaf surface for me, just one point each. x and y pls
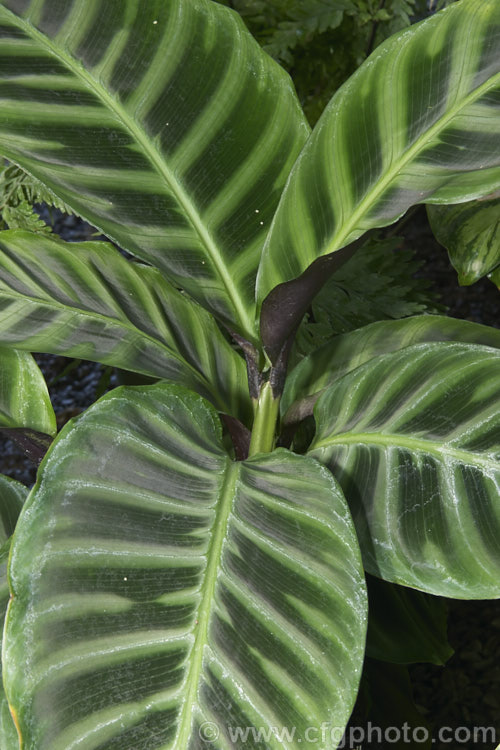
(24, 398)
(162, 123)
(471, 234)
(159, 586)
(405, 626)
(417, 123)
(86, 300)
(414, 439)
(344, 353)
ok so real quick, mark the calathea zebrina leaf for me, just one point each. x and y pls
(8, 733)
(346, 352)
(86, 300)
(162, 123)
(12, 496)
(414, 439)
(164, 595)
(417, 123)
(24, 398)
(471, 234)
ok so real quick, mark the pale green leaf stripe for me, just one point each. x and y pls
(350, 350)
(86, 300)
(414, 439)
(24, 398)
(471, 234)
(417, 123)
(164, 586)
(164, 124)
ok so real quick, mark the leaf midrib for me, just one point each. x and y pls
(441, 450)
(214, 555)
(384, 182)
(156, 160)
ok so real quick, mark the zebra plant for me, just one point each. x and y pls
(181, 567)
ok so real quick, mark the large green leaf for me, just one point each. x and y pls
(158, 586)
(8, 733)
(24, 398)
(161, 122)
(414, 439)
(344, 353)
(418, 122)
(85, 300)
(471, 234)
(12, 496)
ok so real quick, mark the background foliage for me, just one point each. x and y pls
(322, 42)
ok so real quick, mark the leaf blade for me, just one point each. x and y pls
(471, 234)
(413, 437)
(416, 123)
(346, 352)
(223, 598)
(187, 167)
(24, 398)
(85, 300)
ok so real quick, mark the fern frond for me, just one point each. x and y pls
(18, 187)
(378, 283)
(22, 216)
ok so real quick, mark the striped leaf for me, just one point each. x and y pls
(471, 234)
(8, 733)
(344, 353)
(12, 496)
(414, 439)
(495, 277)
(86, 300)
(24, 398)
(417, 123)
(163, 595)
(163, 123)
